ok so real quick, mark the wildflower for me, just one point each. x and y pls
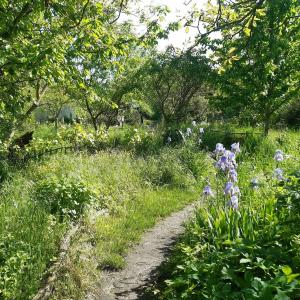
(188, 131)
(222, 163)
(194, 123)
(254, 183)
(199, 141)
(234, 202)
(278, 156)
(233, 175)
(228, 188)
(219, 148)
(235, 147)
(169, 139)
(207, 191)
(278, 173)
(226, 161)
(201, 130)
(236, 191)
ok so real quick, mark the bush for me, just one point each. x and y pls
(63, 196)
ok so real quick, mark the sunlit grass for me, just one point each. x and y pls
(115, 234)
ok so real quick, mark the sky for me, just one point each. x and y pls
(179, 8)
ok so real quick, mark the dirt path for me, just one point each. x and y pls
(143, 260)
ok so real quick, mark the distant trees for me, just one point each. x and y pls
(81, 50)
(172, 81)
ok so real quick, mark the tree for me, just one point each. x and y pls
(44, 43)
(259, 65)
(172, 80)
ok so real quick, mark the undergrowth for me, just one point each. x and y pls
(115, 194)
(249, 251)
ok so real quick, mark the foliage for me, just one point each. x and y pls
(47, 44)
(173, 81)
(245, 253)
(39, 201)
(259, 69)
(61, 196)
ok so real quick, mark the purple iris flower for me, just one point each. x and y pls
(222, 163)
(223, 159)
(278, 173)
(236, 191)
(234, 202)
(235, 147)
(228, 188)
(207, 191)
(233, 175)
(219, 148)
(227, 161)
(278, 156)
(231, 155)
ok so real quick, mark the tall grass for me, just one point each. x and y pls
(39, 202)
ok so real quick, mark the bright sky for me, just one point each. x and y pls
(179, 8)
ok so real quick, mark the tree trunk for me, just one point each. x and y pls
(267, 123)
(95, 125)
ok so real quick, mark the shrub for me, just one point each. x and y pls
(63, 196)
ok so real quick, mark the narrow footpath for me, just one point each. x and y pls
(143, 260)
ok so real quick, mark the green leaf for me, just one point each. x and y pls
(291, 277)
(245, 260)
(231, 50)
(286, 270)
(247, 31)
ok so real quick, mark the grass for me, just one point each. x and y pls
(116, 195)
(102, 245)
(105, 240)
(134, 191)
(115, 234)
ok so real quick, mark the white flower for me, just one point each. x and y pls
(188, 131)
